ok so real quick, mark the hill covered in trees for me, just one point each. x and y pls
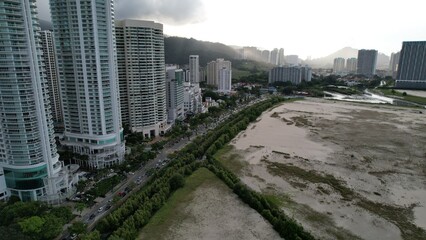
(178, 49)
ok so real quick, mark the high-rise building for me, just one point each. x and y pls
(393, 64)
(87, 65)
(274, 57)
(266, 56)
(213, 68)
(49, 60)
(412, 66)
(281, 60)
(225, 80)
(339, 66)
(351, 65)
(142, 77)
(292, 59)
(194, 69)
(29, 162)
(175, 94)
(293, 74)
(367, 60)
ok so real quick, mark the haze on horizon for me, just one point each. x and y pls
(306, 28)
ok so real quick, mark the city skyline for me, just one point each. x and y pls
(305, 32)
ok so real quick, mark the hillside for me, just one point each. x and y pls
(178, 49)
(346, 52)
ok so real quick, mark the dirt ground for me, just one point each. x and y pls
(209, 210)
(343, 170)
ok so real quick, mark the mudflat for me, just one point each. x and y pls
(343, 170)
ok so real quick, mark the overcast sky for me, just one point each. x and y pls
(305, 27)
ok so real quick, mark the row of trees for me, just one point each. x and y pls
(126, 221)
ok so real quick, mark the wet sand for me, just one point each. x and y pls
(377, 152)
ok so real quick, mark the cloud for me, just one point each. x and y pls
(172, 12)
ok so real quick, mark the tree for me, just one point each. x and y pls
(176, 181)
(80, 207)
(32, 226)
(95, 235)
(52, 226)
(77, 227)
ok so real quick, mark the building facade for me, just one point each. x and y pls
(175, 94)
(225, 80)
(274, 57)
(194, 69)
(293, 74)
(393, 64)
(87, 65)
(49, 60)
(213, 69)
(351, 65)
(412, 66)
(367, 60)
(339, 66)
(292, 59)
(142, 77)
(281, 60)
(29, 162)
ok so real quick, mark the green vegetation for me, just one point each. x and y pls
(102, 187)
(288, 171)
(402, 219)
(410, 98)
(32, 220)
(250, 71)
(133, 214)
(230, 159)
(171, 211)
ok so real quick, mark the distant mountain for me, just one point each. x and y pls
(178, 49)
(346, 52)
(45, 25)
(327, 61)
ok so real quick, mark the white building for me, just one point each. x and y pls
(29, 162)
(194, 69)
(292, 59)
(213, 69)
(175, 94)
(351, 65)
(49, 60)
(225, 80)
(142, 77)
(87, 63)
(189, 103)
(339, 66)
(293, 74)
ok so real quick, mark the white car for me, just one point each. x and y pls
(100, 209)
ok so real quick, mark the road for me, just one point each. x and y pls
(141, 173)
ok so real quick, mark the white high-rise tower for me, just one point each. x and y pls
(29, 163)
(85, 42)
(142, 77)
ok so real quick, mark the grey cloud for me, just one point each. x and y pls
(173, 12)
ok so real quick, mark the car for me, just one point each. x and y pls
(92, 216)
(73, 236)
(107, 207)
(100, 209)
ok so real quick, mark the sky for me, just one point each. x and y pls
(313, 28)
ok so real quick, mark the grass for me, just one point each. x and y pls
(401, 217)
(171, 212)
(311, 176)
(230, 159)
(317, 219)
(410, 98)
